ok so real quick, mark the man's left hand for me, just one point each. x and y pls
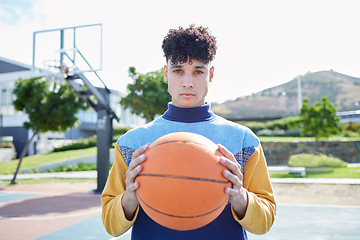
(238, 194)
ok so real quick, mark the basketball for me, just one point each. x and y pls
(181, 185)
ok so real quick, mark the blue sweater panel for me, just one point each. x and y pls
(240, 140)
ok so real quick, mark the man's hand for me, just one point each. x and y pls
(129, 200)
(238, 194)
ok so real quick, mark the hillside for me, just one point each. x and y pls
(342, 90)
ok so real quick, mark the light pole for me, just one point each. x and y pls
(299, 93)
(1, 126)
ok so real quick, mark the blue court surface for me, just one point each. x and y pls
(91, 228)
(11, 196)
(315, 222)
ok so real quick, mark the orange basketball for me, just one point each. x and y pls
(181, 184)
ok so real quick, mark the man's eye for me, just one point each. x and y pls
(199, 72)
(177, 71)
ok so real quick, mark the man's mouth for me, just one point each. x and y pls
(187, 94)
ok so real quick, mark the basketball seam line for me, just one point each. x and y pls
(178, 216)
(177, 141)
(183, 177)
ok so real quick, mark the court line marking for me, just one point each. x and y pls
(53, 217)
(316, 205)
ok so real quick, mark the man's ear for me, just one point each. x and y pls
(212, 69)
(165, 73)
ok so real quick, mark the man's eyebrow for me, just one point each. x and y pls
(176, 66)
(200, 67)
(181, 66)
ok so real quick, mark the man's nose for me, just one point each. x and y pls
(188, 81)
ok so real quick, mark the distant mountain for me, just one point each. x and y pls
(280, 101)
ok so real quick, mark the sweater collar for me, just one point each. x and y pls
(189, 115)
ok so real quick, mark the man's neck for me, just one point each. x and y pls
(189, 115)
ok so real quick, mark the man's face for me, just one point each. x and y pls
(188, 83)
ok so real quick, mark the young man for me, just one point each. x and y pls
(251, 205)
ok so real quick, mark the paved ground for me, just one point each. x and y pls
(313, 211)
(51, 211)
(315, 222)
(70, 210)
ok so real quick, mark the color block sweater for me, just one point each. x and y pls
(238, 139)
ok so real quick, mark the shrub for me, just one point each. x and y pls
(350, 126)
(91, 142)
(279, 133)
(271, 133)
(120, 131)
(6, 145)
(283, 123)
(286, 123)
(315, 160)
(254, 126)
(87, 143)
(75, 167)
(292, 133)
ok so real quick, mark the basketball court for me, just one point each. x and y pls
(51, 212)
(299, 222)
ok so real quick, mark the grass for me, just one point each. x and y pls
(47, 181)
(312, 160)
(319, 166)
(335, 172)
(307, 139)
(47, 158)
(75, 167)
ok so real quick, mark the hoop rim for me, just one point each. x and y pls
(55, 64)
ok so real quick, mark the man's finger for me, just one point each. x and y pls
(226, 152)
(140, 150)
(138, 156)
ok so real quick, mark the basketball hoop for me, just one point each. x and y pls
(55, 71)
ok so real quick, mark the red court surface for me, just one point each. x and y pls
(32, 212)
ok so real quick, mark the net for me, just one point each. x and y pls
(55, 71)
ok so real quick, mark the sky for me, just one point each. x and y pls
(261, 43)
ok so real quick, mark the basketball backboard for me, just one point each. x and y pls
(78, 48)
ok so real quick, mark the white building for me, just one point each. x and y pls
(349, 116)
(11, 121)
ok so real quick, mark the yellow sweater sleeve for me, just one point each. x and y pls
(261, 210)
(113, 215)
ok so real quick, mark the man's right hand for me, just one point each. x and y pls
(129, 199)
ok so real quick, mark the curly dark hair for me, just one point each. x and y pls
(194, 43)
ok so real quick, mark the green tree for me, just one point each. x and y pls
(148, 94)
(50, 107)
(319, 120)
